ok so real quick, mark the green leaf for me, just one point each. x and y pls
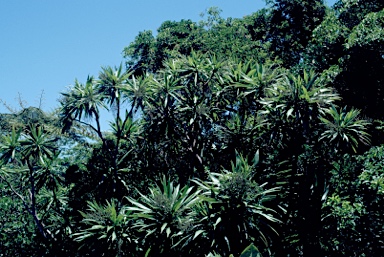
(217, 222)
(289, 112)
(251, 251)
(163, 227)
(147, 252)
(197, 233)
(168, 231)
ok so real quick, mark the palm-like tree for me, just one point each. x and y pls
(237, 213)
(37, 144)
(299, 97)
(31, 150)
(110, 86)
(138, 91)
(292, 109)
(252, 78)
(82, 104)
(161, 128)
(110, 83)
(163, 215)
(10, 145)
(82, 101)
(344, 129)
(107, 230)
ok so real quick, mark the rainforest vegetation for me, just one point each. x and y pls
(254, 136)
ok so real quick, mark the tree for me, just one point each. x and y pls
(344, 129)
(352, 222)
(140, 54)
(326, 45)
(292, 110)
(106, 231)
(82, 101)
(30, 173)
(236, 215)
(363, 45)
(163, 217)
(214, 35)
(227, 137)
(291, 26)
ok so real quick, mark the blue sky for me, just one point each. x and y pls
(47, 44)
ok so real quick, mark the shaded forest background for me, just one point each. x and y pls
(259, 136)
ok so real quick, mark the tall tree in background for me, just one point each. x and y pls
(291, 26)
(236, 38)
(360, 81)
(141, 53)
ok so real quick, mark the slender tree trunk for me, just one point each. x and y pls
(310, 194)
(32, 194)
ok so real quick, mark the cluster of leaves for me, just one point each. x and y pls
(352, 218)
(188, 221)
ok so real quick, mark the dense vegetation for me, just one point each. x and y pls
(259, 136)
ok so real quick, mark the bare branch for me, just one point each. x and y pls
(8, 107)
(41, 99)
(22, 103)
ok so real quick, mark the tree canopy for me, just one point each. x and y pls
(253, 136)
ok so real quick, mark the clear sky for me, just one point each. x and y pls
(46, 44)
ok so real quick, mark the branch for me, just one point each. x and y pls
(22, 102)
(8, 107)
(89, 125)
(41, 99)
(15, 192)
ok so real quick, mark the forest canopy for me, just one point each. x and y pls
(253, 136)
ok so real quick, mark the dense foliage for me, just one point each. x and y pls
(259, 136)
